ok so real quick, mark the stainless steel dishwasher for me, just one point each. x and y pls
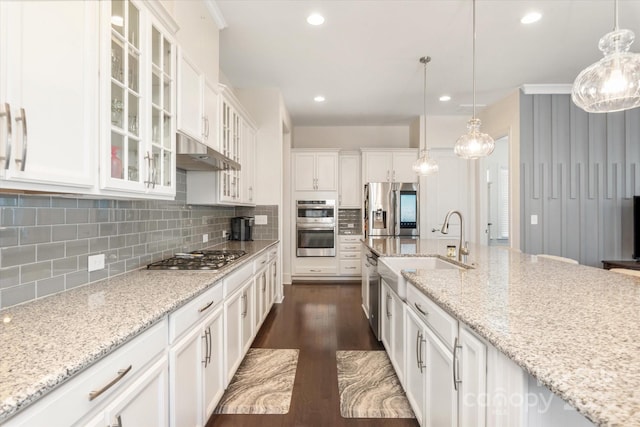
(373, 279)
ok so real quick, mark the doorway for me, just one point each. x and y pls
(497, 194)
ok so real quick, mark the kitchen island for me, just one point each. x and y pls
(49, 341)
(571, 327)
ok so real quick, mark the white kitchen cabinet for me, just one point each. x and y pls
(132, 377)
(249, 141)
(198, 106)
(441, 408)
(48, 95)
(428, 375)
(137, 88)
(392, 328)
(191, 98)
(392, 165)
(349, 255)
(315, 171)
(233, 315)
(197, 373)
(415, 366)
(350, 192)
(273, 279)
(145, 402)
(473, 377)
(250, 301)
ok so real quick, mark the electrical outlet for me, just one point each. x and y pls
(534, 219)
(95, 262)
(205, 238)
(260, 219)
(225, 233)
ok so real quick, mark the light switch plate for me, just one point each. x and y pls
(95, 262)
(205, 238)
(260, 220)
(534, 219)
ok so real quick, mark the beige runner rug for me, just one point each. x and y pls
(369, 387)
(262, 384)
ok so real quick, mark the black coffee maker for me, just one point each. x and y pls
(242, 228)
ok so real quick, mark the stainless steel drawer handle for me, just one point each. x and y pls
(456, 365)
(23, 119)
(426, 313)
(7, 154)
(121, 374)
(200, 310)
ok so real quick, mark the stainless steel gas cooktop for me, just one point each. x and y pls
(198, 260)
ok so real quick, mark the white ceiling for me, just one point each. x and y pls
(364, 59)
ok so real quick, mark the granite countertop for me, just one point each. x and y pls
(572, 327)
(48, 341)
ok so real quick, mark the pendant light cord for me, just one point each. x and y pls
(424, 105)
(425, 60)
(473, 66)
(615, 12)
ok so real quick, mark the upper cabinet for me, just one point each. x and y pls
(191, 86)
(315, 170)
(138, 99)
(232, 133)
(48, 95)
(350, 193)
(393, 165)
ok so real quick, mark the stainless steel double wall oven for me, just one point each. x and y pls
(316, 228)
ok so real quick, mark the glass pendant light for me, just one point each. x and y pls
(474, 144)
(613, 83)
(424, 165)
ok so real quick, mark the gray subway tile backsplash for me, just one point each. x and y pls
(131, 234)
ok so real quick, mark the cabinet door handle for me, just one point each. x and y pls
(456, 364)
(209, 345)
(426, 313)
(121, 374)
(388, 175)
(7, 114)
(205, 337)
(200, 310)
(244, 302)
(394, 176)
(148, 159)
(387, 305)
(23, 119)
(264, 281)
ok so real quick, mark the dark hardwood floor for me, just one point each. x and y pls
(318, 319)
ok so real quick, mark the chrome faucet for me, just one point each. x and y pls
(462, 250)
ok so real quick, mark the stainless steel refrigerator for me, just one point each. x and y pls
(391, 209)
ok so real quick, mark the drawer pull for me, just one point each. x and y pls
(315, 271)
(200, 310)
(350, 268)
(426, 313)
(121, 374)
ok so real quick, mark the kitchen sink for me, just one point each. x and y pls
(389, 269)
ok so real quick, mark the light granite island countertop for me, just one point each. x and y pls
(575, 328)
(48, 341)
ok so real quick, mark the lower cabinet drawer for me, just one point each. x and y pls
(349, 255)
(442, 323)
(302, 269)
(348, 266)
(96, 386)
(186, 316)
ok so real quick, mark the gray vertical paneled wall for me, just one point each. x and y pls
(579, 172)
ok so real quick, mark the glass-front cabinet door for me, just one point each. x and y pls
(140, 88)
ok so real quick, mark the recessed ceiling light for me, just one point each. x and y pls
(445, 98)
(319, 98)
(531, 17)
(315, 19)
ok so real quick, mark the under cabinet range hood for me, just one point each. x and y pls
(192, 155)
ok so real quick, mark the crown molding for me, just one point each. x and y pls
(216, 14)
(547, 89)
